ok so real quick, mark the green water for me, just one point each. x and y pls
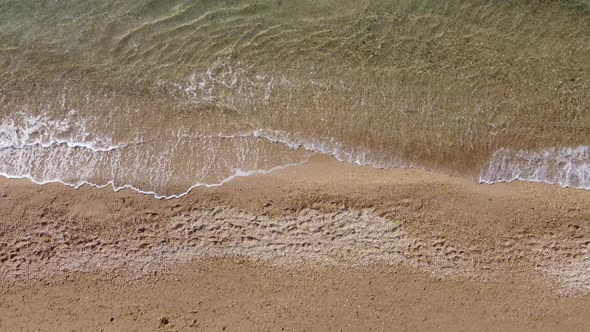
(434, 84)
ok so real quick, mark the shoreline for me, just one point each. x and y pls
(321, 217)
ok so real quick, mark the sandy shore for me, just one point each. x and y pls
(325, 245)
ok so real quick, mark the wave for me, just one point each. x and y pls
(70, 144)
(168, 165)
(329, 146)
(45, 150)
(565, 166)
(324, 146)
(27, 130)
(116, 188)
(47, 159)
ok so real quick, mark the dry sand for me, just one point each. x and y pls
(322, 246)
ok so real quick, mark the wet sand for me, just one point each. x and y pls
(325, 245)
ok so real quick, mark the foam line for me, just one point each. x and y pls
(329, 147)
(88, 146)
(565, 166)
(237, 174)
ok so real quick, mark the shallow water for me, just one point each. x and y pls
(162, 96)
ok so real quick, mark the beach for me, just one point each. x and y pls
(270, 165)
(320, 246)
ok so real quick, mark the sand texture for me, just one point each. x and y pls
(325, 245)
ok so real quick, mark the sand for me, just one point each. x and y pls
(322, 246)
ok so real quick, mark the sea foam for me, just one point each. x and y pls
(329, 146)
(46, 150)
(27, 130)
(565, 166)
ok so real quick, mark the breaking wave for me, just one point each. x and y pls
(566, 166)
(160, 96)
(25, 130)
(45, 150)
(331, 147)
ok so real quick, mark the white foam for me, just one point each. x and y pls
(45, 150)
(324, 146)
(48, 156)
(27, 130)
(69, 151)
(58, 164)
(565, 166)
(328, 146)
(227, 81)
(111, 183)
(70, 144)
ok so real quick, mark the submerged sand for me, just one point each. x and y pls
(325, 245)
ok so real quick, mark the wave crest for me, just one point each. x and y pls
(27, 130)
(328, 146)
(565, 166)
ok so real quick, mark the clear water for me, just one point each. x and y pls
(162, 96)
